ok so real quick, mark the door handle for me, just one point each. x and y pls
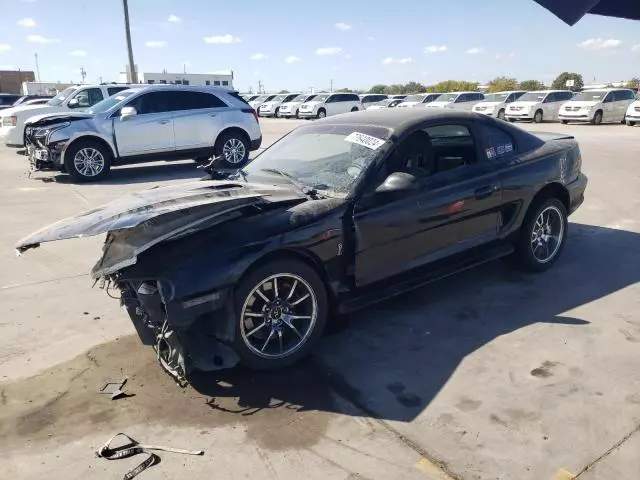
(484, 192)
(163, 122)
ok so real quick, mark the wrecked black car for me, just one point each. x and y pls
(333, 217)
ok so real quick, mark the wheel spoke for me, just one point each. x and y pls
(256, 329)
(267, 341)
(300, 317)
(262, 295)
(251, 314)
(275, 286)
(300, 300)
(287, 322)
(280, 341)
(293, 287)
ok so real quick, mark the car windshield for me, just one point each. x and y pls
(107, 103)
(328, 158)
(532, 97)
(496, 97)
(414, 98)
(590, 96)
(447, 97)
(261, 98)
(298, 98)
(62, 96)
(320, 98)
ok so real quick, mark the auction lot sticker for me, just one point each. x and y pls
(365, 140)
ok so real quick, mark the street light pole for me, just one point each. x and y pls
(133, 75)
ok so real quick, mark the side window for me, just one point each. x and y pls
(88, 97)
(450, 146)
(331, 99)
(550, 98)
(153, 102)
(207, 82)
(608, 98)
(462, 98)
(163, 82)
(567, 95)
(496, 143)
(225, 83)
(114, 90)
(194, 101)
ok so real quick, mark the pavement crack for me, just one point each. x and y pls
(614, 447)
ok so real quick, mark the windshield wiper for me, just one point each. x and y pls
(308, 191)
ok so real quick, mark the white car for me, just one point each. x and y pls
(368, 99)
(495, 104)
(419, 99)
(290, 109)
(260, 99)
(271, 107)
(327, 104)
(633, 114)
(388, 103)
(457, 100)
(597, 106)
(538, 106)
(72, 98)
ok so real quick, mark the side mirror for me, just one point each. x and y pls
(73, 103)
(398, 182)
(127, 112)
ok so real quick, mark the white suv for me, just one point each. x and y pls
(271, 107)
(148, 123)
(327, 104)
(538, 106)
(633, 114)
(597, 106)
(290, 109)
(73, 98)
(495, 104)
(457, 100)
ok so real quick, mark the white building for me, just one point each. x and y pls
(44, 88)
(221, 79)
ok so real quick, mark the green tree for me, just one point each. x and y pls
(453, 86)
(560, 83)
(378, 89)
(344, 90)
(531, 85)
(283, 91)
(633, 83)
(414, 87)
(501, 84)
(394, 89)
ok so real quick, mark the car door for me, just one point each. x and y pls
(608, 107)
(454, 208)
(150, 130)
(548, 106)
(197, 119)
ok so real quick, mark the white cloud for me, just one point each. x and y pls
(155, 43)
(600, 44)
(371, 39)
(174, 18)
(347, 56)
(27, 22)
(222, 39)
(636, 48)
(328, 51)
(402, 61)
(505, 55)
(474, 50)
(4, 47)
(41, 39)
(292, 59)
(435, 49)
(343, 26)
(78, 53)
(258, 56)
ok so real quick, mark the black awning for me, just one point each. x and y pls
(571, 11)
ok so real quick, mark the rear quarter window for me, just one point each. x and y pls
(237, 96)
(496, 143)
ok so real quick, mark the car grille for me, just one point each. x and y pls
(517, 109)
(572, 109)
(637, 109)
(480, 109)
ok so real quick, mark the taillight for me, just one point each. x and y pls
(252, 112)
(9, 121)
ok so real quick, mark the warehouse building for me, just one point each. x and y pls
(221, 79)
(11, 80)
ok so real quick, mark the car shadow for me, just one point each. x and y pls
(391, 360)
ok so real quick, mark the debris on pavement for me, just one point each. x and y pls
(134, 448)
(115, 389)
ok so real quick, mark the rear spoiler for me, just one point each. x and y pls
(547, 136)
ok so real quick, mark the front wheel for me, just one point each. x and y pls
(630, 123)
(537, 118)
(597, 118)
(354, 109)
(282, 310)
(234, 148)
(297, 113)
(542, 236)
(88, 161)
(322, 113)
(512, 120)
(564, 122)
(501, 114)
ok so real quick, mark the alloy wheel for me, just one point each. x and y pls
(547, 234)
(278, 316)
(234, 151)
(89, 162)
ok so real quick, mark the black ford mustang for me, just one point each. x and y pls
(336, 215)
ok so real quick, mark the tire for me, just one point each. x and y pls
(501, 114)
(275, 115)
(298, 113)
(537, 117)
(88, 161)
(512, 120)
(256, 320)
(630, 123)
(597, 118)
(322, 113)
(354, 109)
(564, 122)
(528, 252)
(234, 147)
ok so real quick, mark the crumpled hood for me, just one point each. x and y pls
(57, 117)
(139, 221)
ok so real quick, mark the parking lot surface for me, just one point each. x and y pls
(492, 374)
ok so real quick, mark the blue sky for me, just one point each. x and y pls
(288, 45)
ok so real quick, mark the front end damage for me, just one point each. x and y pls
(184, 313)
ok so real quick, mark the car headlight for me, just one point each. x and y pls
(9, 121)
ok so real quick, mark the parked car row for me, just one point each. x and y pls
(8, 100)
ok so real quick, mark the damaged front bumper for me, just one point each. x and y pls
(43, 154)
(185, 335)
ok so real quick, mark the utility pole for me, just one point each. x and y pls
(331, 87)
(83, 73)
(133, 75)
(37, 67)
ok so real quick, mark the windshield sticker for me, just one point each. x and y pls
(491, 152)
(365, 140)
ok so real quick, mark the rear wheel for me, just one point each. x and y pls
(297, 113)
(501, 114)
(88, 161)
(354, 109)
(542, 236)
(234, 148)
(322, 113)
(537, 118)
(597, 118)
(630, 123)
(282, 310)
(512, 120)
(564, 122)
